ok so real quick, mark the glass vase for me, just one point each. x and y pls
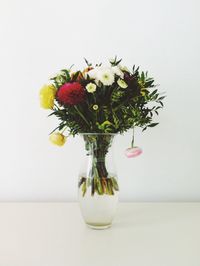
(98, 185)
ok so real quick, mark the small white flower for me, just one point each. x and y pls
(91, 87)
(95, 107)
(117, 71)
(106, 76)
(122, 83)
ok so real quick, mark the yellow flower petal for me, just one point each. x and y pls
(47, 96)
(57, 139)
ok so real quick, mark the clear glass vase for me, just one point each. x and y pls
(98, 186)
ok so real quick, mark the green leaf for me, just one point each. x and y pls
(87, 63)
(153, 93)
(153, 125)
(67, 75)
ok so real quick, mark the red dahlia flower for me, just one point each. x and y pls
(71, 93)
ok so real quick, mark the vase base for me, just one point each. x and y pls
(99, 226)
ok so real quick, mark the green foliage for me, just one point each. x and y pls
(119, 109)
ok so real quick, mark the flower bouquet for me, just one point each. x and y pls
(97, 103)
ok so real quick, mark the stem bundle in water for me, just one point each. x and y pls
(98, 178)
(98, 185)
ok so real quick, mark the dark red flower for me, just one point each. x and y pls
(71, 94)
(132, 84)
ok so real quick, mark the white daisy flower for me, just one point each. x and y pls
(91, 87)
(117, 71)
(122, 83)
(106, 76)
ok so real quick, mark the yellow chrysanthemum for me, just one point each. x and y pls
(47, 96)
(57, 139)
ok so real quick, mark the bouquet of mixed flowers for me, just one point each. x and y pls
(101, 99)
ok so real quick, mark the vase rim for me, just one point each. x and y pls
(111, 134)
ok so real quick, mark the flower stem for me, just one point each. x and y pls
(82, 115)
(63, 129)
(132, 142)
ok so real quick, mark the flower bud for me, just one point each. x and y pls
(122, 83)
(57, 139)
(133, 152)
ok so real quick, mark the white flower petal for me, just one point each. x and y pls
(117, 71)
(92, 73)
(106, 76)
(124, 68)
(91, 87)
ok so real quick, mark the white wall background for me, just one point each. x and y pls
(37, 38)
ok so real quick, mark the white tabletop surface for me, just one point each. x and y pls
(143, 234)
